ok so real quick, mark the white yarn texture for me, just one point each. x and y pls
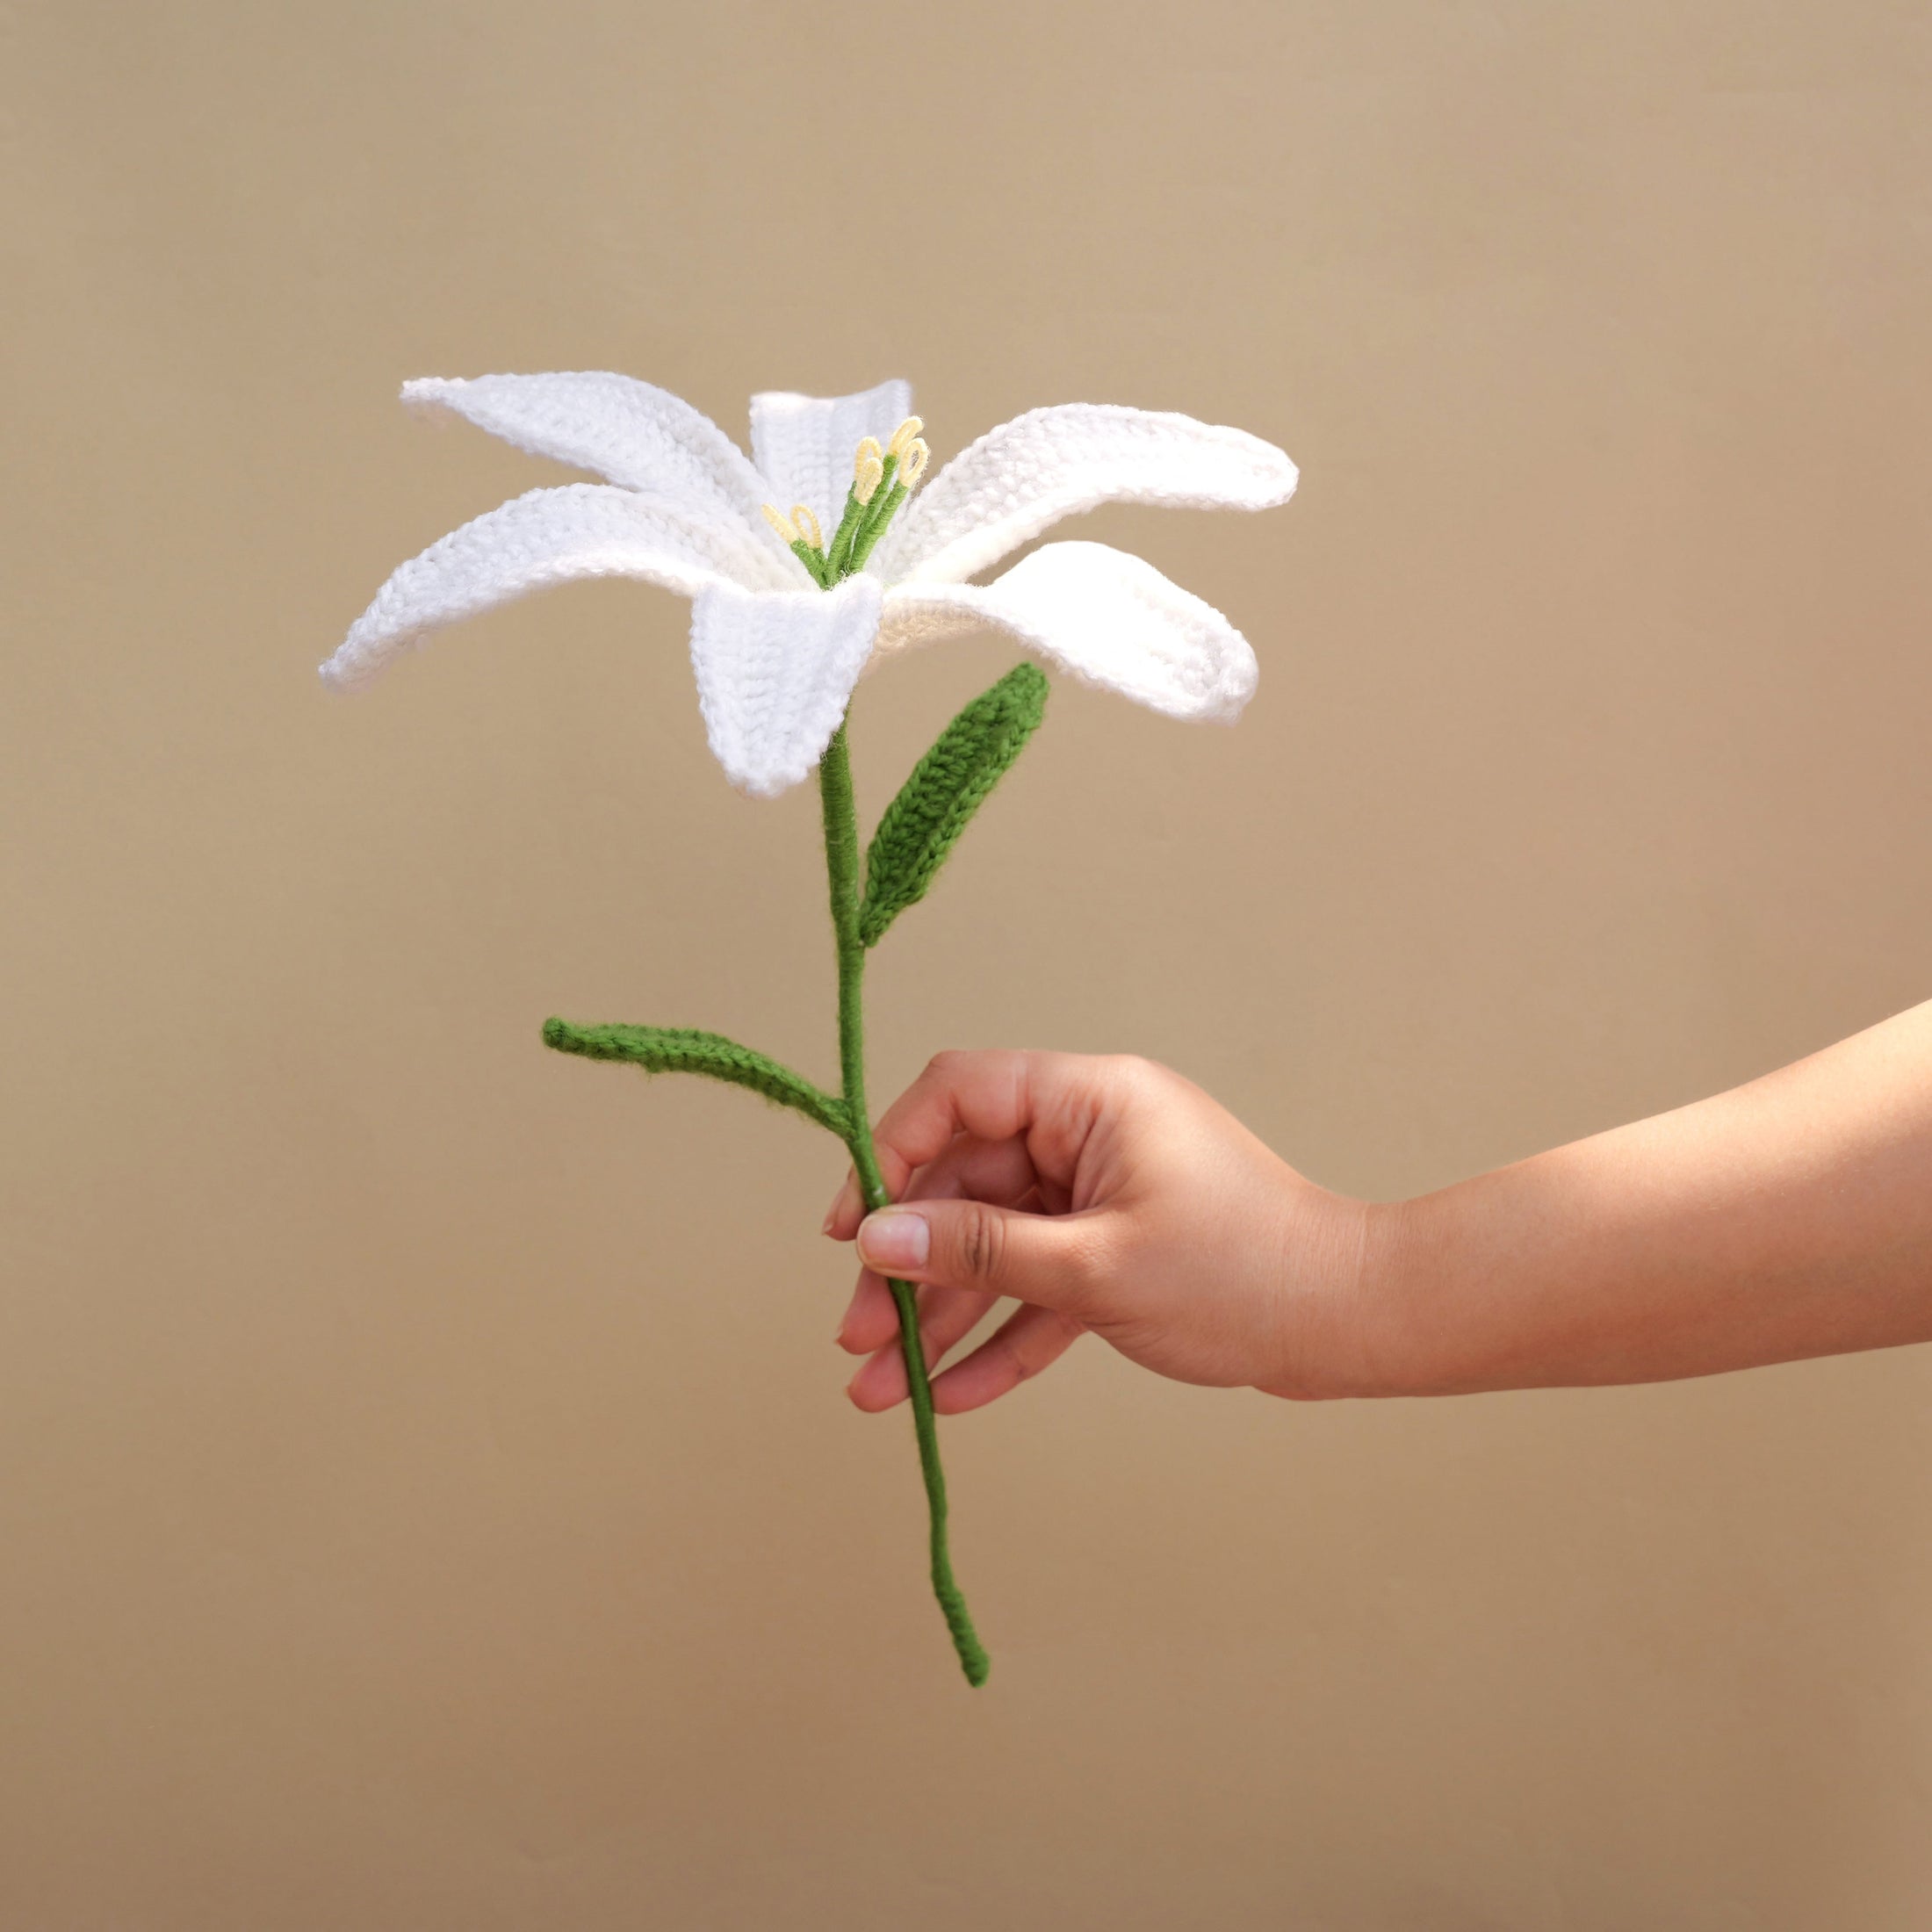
(804, 444)
(775, 657)
(774, 673)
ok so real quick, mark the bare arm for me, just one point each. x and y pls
(1791, 1217)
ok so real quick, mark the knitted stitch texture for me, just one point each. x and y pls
(627, 431)
(687, 1049)
(1003, 489)
(548, 537)
(947, 786)
(803, 445)
(685, 508)
(1105, 617)
(773, 674)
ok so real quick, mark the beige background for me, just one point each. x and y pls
(427, 1497)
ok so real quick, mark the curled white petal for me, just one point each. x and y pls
(1106, 617)
(630, 431)
(1003, 490)
(804, 444)
(549, 537)
(775, 672)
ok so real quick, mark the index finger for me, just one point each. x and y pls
(1048, 1098)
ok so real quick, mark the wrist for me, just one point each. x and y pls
(1371, 1300)
(1331, 1337)
(1384, 1335)
(1424, 1335)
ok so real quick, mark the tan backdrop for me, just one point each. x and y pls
(427, 1495)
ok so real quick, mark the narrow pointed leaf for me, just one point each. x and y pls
(948, 786)
(684, 1049)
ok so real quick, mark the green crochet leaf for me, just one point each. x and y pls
(684, 1049)
(948, 786)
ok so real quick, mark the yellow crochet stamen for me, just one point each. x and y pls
(787, 530)
(881, 479)
(808, 526)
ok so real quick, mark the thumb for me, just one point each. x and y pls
(1046, 1259)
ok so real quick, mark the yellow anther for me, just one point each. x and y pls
(868, 449)
(787, 530)
(809, 524)
(903, 436)
(912, 465)
(870, 469)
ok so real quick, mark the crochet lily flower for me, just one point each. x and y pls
(783, 622)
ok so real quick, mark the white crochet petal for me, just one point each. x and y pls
(549, 537)
(774, 673)
(641, 436)
(1105, 616)
(1015, 480)
(804, 444)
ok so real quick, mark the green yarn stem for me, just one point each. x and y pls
(815, 562)
(842, 876)
(838, 551)
(884, 506)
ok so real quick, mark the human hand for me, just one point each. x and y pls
(1105, 1194)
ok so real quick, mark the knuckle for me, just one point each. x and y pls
(1136, 1074)
(980, 1241)
(1016, 1364)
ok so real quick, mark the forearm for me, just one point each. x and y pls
(1788, 1218)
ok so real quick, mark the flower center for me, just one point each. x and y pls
(881, 479)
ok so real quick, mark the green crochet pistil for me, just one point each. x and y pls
(913, 837)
